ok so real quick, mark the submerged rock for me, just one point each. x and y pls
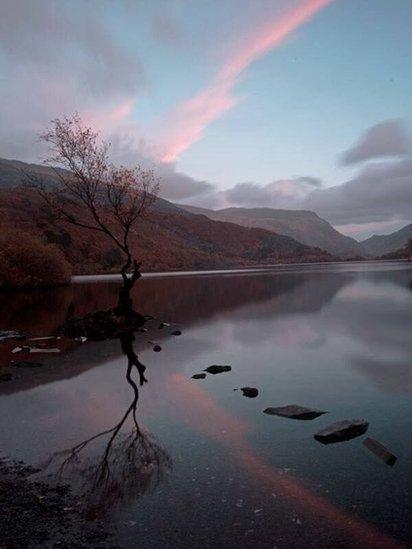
(342, 430)
(199, 376)
(5, 377)
(293, 411)
(380, 451)
(176, 333)
(249, 392)
(218, 369)
(11, 334)
(25, 364)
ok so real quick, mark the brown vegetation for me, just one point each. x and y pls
(164, 240)
(27, 261)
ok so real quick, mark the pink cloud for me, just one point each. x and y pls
(188, 120)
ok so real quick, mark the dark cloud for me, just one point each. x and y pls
(389, 138)
(380, 194)
(60, 56)
(382, 191)
(179, 186)
(283, 193)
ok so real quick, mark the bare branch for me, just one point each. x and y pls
(90, 192)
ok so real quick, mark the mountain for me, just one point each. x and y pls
(403, 253)
(167, 238)
(378, 245)
(12, 173)
(305, 226)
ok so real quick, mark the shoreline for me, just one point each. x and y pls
(282, 268)
(39, 513)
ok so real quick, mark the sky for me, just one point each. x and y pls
(297, 104)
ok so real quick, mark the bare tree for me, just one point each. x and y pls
(93, 194)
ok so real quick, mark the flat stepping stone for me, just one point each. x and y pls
(249, 392)
(293, 411)
(199, 376)
(26, 364)
(380, 451)
(217, 369)
(342, 430)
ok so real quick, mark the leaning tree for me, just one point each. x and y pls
(93, 194)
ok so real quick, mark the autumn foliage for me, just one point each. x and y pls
(27, 261)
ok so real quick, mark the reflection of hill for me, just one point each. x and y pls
(185, 300)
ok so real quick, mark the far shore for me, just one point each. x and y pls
(283, 267)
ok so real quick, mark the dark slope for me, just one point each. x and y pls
(168, 238)
(305, 226)
(378, 245)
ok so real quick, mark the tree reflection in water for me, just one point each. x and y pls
(130, 465)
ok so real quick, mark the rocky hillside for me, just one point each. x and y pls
(378, 245)
(167, 239)
(403, 253)
(304, 226)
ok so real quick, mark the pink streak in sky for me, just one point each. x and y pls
(188, 120)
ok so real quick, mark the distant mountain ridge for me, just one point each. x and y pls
(304, 226)
(167, 238)
(378, 245)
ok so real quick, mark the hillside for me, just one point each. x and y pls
(304, 226)
(168, 238)
(403, 253)
(378, 245)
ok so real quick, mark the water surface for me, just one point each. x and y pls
(214, 471)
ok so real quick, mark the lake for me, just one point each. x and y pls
(203, 466)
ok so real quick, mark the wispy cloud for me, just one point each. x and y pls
(186, 123)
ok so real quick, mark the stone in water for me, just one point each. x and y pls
(11, 334)
(293, 411)
(199, 376)
(218, 369)
(342, 430)
(249, 392)
(380, 451)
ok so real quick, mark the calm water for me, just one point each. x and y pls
(210, 469)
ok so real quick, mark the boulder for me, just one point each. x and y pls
(157, 348)
(249, 392)
(217, 369)
(199, 376)
(293, 411)
(342, 430)
(110, 323)
(380, 451)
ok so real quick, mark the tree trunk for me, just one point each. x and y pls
(125, 302)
